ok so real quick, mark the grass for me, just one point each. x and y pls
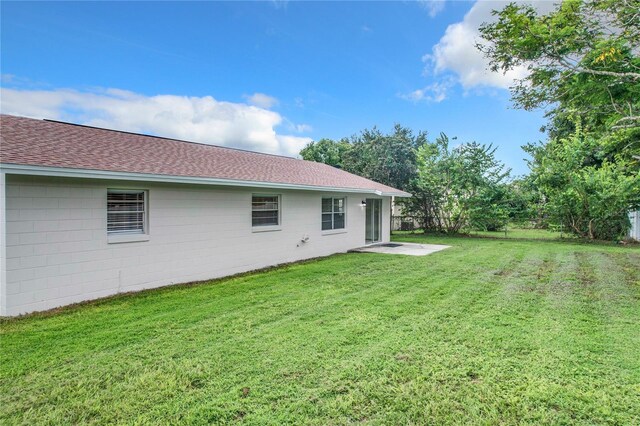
(486, 332)
(512, 233)
(521, 233)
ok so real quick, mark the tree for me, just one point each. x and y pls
(591, 198)
(584, 68)
(456, 187)
(582, 60)
(386, 158)
(489, 210)
(326, 151)
(526, 203)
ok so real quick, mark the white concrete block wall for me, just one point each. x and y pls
(57, 250)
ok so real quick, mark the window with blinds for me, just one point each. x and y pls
(265, 210)
(333, 213)
(126, 212)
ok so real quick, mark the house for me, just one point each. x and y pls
(401, 221)
(89, 212)
(634, 218)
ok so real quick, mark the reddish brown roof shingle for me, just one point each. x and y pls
(28, 141)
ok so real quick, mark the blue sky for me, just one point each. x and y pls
(268, 76)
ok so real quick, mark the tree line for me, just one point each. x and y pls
(454, 186)
(583, 62)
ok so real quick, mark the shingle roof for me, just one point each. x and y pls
(27, 141)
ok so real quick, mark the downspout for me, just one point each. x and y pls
(391, 205)
(3, 244)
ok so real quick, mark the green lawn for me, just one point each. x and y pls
(538, 234)
(486, 332)
(512, 233)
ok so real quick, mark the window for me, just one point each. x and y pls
(265, 210)
(333, 213)
(126, 212)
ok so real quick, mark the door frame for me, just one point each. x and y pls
(367, 240)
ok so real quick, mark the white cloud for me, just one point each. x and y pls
(7, 78)
(292, 144)
(261, 100)
(303, 128)
(435, 92)
(199, 119)
(297, 128)
(433, 7)
(280, 4)
(456, 52)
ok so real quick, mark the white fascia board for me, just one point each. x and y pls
(148, 177)
(400, 194)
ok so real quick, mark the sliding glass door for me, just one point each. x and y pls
(373, 220)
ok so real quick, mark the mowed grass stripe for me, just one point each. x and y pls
(487, 332)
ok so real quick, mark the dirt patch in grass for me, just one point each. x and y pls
(585, 273)
(532, 274)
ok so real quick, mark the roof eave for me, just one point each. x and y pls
(148, 177)
(401, 194)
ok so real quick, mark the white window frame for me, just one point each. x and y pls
(266, 228)
(334, 230)
(129, 236)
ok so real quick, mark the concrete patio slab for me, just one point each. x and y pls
(409, 249)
